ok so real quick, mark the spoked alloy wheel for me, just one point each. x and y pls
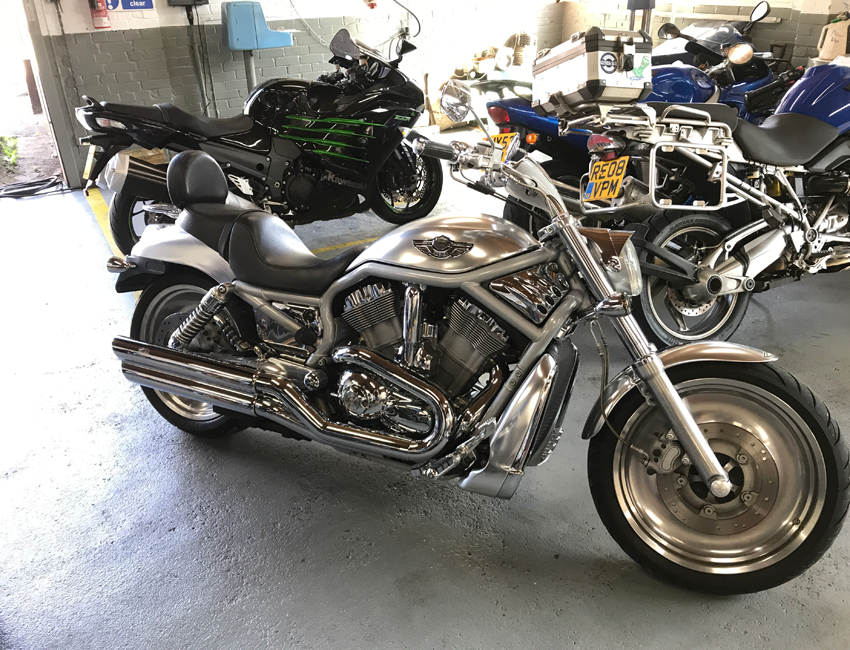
(400, 197)
(784, 458)
(668, 314)
(162, 308)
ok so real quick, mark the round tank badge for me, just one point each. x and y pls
(608, 63)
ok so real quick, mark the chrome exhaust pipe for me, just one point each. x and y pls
(269, 390)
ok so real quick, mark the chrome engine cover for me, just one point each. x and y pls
(449, 244)
(534, 292)
(365, 397)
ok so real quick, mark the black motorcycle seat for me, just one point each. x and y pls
(178, 118)
(784, 140)
(266, 252)
(718, 112)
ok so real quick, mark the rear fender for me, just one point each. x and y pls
(171, 245)
(624, 383)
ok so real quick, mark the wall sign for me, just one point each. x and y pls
(129, 5)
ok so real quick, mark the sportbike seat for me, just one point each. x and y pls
(180, 119)
(260, 247)
(785, 139)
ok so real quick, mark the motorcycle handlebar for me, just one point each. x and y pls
(431, 149)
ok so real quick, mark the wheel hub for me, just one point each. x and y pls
(752, 472)
(688, 307)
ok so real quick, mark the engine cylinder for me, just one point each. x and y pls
(472, 338)
(374, 312)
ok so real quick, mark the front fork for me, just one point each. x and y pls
(647, 365)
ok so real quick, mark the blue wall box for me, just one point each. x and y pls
(245, 28)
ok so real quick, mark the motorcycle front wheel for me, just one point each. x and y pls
(400, 198)
(784, 456)
(162, 307)
(128, 219)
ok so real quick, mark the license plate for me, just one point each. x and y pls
(605, 178)
(89, 162)
(504, 140)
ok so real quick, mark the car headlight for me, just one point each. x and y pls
(627, 278)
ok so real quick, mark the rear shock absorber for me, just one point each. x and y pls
(212, 303)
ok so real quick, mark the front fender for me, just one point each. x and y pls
(623, 383)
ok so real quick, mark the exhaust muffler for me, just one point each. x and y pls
(269, 389)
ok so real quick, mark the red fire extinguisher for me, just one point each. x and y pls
(99, 14)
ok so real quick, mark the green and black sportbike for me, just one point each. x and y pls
(306, 151)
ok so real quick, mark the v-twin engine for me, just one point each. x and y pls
(453, 350)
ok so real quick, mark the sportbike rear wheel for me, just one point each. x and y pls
(128, 218)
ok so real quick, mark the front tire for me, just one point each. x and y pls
(785, 458)
(399, 199)
(162, 307)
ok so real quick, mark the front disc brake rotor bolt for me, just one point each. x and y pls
(742, 459)
(708, 511)
(681, 481)
(747, 497)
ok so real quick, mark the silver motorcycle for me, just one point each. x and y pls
(444, 348)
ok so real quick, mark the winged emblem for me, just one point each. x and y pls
(442, 247)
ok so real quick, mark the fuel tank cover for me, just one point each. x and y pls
(449, 244)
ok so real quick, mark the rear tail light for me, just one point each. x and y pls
(605, 144)
(109, 124)
(498, 115)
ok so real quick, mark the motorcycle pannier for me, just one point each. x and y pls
(596, 66)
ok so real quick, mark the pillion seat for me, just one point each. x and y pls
(260, 247)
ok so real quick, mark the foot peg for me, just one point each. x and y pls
(438, 467)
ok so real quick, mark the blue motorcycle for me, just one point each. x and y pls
(790, 175)
(732, 75)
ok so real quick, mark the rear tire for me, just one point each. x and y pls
(128, 220)
(662, 311)
(160, 310)
(789, 467)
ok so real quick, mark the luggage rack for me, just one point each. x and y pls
(695, 136)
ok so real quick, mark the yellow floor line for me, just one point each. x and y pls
(101, 213)
(346, 245)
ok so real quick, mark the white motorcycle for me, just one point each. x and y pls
(444, 348)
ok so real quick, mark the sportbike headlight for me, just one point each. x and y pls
(624, 271)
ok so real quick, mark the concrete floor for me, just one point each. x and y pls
(119, 531)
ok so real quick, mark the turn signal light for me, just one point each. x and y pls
(531, 138)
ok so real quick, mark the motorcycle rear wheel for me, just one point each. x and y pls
(128, 220)
(784, 455)
(665, 314)
(400, 201)
(162, 307)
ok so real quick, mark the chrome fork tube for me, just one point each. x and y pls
(648, 366)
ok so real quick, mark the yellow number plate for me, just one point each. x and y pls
(605, 178)
(504, 140)
(89, 162)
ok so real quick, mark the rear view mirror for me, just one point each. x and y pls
(456, 100)
(668, 31)
(760, 11)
